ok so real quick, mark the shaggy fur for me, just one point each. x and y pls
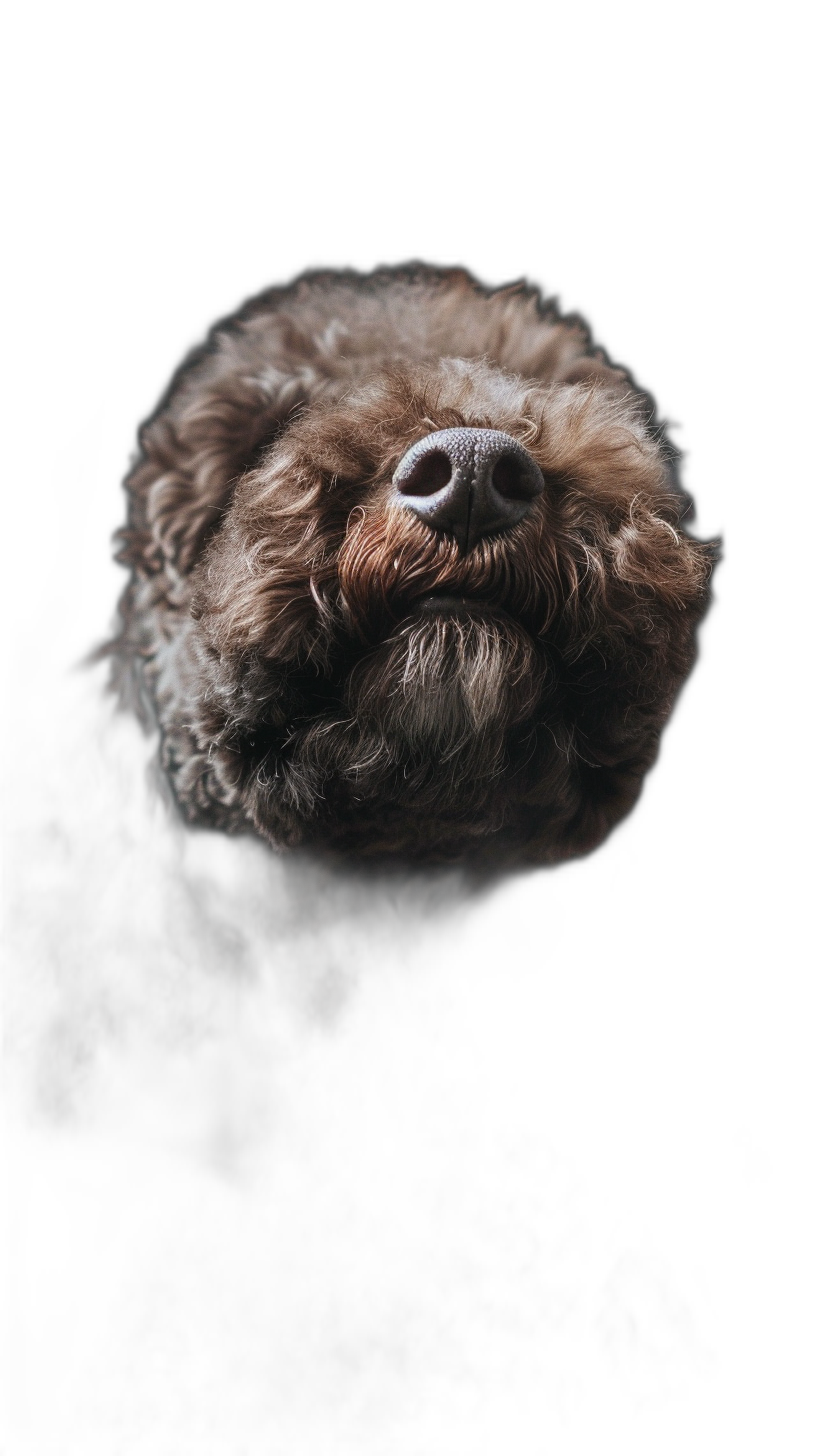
(379, 722)
(281, 623)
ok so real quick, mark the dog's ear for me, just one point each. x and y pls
(213, 425)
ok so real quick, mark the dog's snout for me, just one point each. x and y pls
(468, 483)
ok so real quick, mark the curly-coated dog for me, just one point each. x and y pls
(408, 576)
(411, 600)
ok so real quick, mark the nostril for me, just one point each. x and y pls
(430, 473)
(511, 479)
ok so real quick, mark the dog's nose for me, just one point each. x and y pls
(468, 483)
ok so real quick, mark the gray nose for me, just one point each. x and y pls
(468, 483)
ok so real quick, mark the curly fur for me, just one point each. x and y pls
(369, 753)
(278, 622)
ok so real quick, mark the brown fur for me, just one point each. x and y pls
(362, 757)
(274, 621)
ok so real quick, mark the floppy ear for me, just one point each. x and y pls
(220, 411)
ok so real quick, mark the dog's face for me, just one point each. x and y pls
(446, 614)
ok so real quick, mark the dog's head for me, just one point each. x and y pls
(446, 614)
(409, 573)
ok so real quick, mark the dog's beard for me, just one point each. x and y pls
(424, 723)
(446, 679)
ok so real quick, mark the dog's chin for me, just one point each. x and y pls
(426, 722)
(452, 673)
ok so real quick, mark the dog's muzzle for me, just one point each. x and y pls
(468, 483)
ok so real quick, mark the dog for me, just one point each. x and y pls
(409, 577)
(411, 597)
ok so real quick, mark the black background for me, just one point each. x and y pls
(624, 1011)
